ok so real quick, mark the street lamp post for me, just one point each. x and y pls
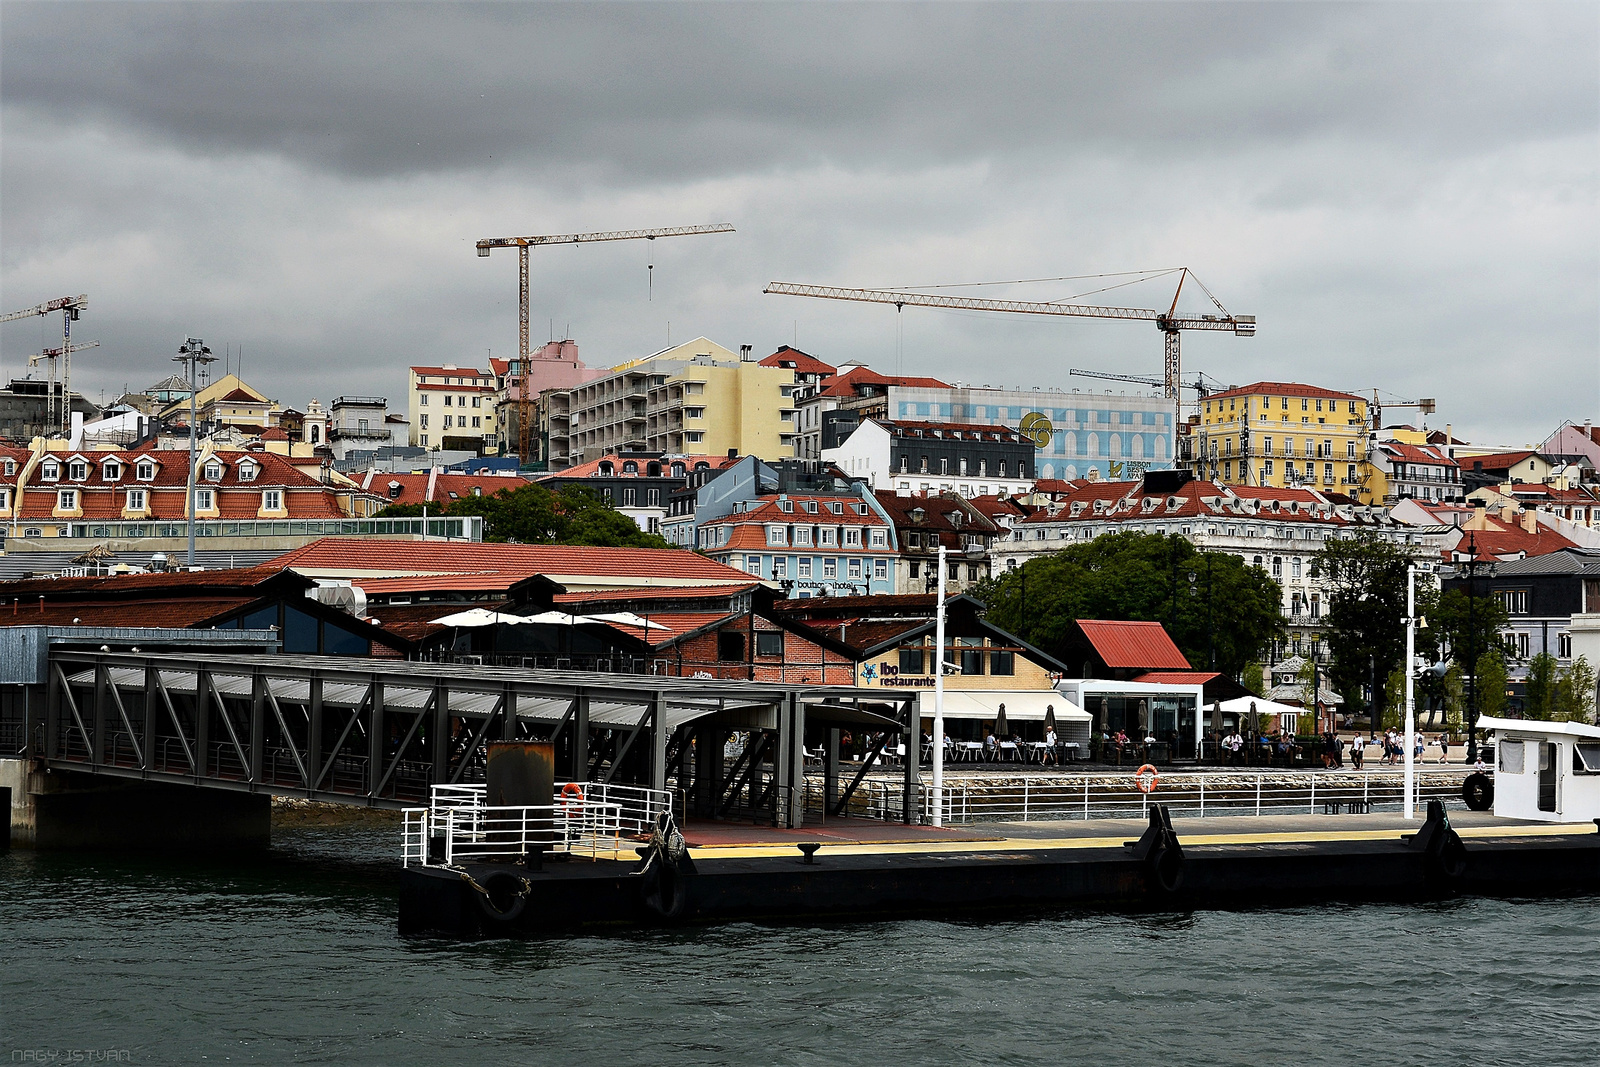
(192, 352)
(938, 695)
(1469, 561)
(1410, 667)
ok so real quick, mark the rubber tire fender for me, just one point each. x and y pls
(519, 897)
(664, 894)
(1477, 791)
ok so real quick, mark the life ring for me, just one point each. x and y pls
(1146, 778)
(572, 798)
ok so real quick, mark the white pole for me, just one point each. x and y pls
(938, 699)
(1411, 718)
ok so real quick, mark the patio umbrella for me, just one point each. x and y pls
(1144, 720)
(1216, 716)
(1049, 717)
(1254, 720)
(1000, 730)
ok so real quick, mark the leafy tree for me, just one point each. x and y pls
(1254, 678)
(1466, 626)
(1454, 698)
(1206, 600)
(1539, 687)
(1489, 683)
(533, 515)
(1394, 704)
(1578, 682)
(1365, 623)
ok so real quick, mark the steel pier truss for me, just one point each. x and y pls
(382, 732)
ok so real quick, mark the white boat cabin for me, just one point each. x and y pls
(1545, 771)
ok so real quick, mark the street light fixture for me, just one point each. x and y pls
(193, 352)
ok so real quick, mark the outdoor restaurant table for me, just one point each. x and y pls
(968, 750)
(1008, 750)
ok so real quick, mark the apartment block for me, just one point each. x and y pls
(451, 407)
(1284, 435)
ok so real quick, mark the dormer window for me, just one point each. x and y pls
(145, 470)
(811, 506)
(630, 467)
(111, 470)
(213, 471)
(248, 470)
(835, 507)
(77, 470)
(50, 470)
(10, 467)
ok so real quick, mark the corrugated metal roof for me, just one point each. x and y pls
(1133, 645)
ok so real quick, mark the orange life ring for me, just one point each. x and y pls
(1146, 784)
(572, 798)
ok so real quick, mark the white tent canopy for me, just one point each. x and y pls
(1022, 705)
(1241, 706)
(483, 617)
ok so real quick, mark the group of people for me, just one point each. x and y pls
(1331, 747)
(1393, 744)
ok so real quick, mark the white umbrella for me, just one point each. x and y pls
(478, 617)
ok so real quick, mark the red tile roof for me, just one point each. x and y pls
(1178, 677)
(359, 558)
(1133, 645)
(179, 613)
(1500, 539)
(239, 395)
(453, 372)
(1495, 461)
(1285, 389)
(1430, 454)
(413, 488)
(845, 384)
(275, 433)
(796, 360)
(769, 509)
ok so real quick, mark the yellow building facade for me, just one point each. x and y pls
(1285, 435)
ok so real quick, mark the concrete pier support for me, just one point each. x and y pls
(67, 810)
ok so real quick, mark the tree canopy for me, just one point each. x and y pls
(1206, 600)
(533, 515)
(1365, 621)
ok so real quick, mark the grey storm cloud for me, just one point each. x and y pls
(1404, 193)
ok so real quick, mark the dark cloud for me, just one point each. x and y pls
(1404, 193)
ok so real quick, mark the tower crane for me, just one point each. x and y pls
(70, 307)
(522, 244)
(1169, 322)
(52, 423)
(1199, 384)
(1427, 406)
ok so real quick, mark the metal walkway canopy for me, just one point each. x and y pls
(382, 732)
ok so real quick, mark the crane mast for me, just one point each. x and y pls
(522, 244)
(70, 308)
(1169, 322)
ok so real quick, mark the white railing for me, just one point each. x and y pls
(1197, 795)
(484, 834)
(638, 805)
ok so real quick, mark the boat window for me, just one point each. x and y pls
(1511, 757)
(1586, 757)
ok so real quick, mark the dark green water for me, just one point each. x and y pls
(295, 960)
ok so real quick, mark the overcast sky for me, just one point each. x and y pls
(1405, 195)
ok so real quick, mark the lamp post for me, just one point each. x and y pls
(1469, 561)
(192, 352)
(972, 552)
(1411, 714)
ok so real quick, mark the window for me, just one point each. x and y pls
(77, 470)
(730, 646)
(1563, 641)
(911, 661)
(1515, 601)
(826, 538)
(248, 471)
(652, 498)
(477, 423)
(447, 400)
(423, 400)
(802, 535)
(422, 421)
(424, 438)
(1511, 756)
(1586, 757)
(879, 539)
(854, 568)
(135, 499)
(1277, 567)
(752, 564)
(694, 437)
(50, 470)
(780, 566)
(852, 537)
(630, 497)
(67, 499)
(111, 470)
(272, 500)
(5, 499)
(10, 467)
(769, 642)
(777, 535)
(805, 567)
(880, 568)
(1266, 468)
(448, 422)
(971, 649)
(1002, 662)
(694, 413)
(1294, 568)
(830, 567)
(916, 568)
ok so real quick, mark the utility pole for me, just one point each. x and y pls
(192, 353)
(938, 697)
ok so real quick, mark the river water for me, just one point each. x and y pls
(294, 958)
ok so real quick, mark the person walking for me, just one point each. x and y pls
(1049, 747)
(1357, 751)
(1444, 748)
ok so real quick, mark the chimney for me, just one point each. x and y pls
(1530, 521)
(744, 353)
(1508, 512)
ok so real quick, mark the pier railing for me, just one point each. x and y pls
(484, 834)
(1030, 799)
(637, 806)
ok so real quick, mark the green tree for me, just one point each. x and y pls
(1365, 622)
(1539, 687)
(1394, 703)
(1488, 686)
(533, 515)
(1580, 678)
(1207, 600)
(1454, 698)
(1254, 678)
(1467, 626)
